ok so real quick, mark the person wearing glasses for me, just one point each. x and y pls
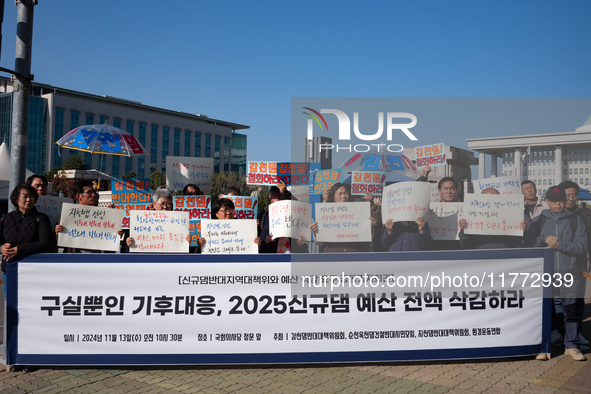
(83, 193)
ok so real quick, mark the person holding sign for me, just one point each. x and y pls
(223, 209)
(339, 192)
(477, 241)
(406, 236)
(39, 183)
(191, 190)
(281, 244)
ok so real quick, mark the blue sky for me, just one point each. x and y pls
(244, 61)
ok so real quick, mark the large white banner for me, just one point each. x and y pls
(113, 308)
(504, 184)
(444, 218)
(181, 171)
(405, 201)
(52, 207)
(290, 219)
(229, 236)
(159, 231)
(343, 222)
(89, 227)
(493, 214)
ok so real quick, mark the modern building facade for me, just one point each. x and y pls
(552, 158)
(55, 111)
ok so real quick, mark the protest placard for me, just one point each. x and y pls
(504, 184)
(245, 207)
(126, 209)
(430, 155)
(493, 214)
(443, 220)
(343, 222)
(325, 179)
(181, 171)
(363, 182)
(159, 231)
(435, 197)
(90, 227)
(130, 191)
(405, 201)
(52, 207)
(229, 236)
(290, 219)
(198, 207)
(295, 174)
(270, 173)
(301, 193)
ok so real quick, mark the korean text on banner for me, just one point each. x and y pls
(325, 179)
(199, 207)
(290, 219)
(130, 191)
(229, 236)
(181, 171)
(363, 182)
(52, 207)
(270, 173)
(159, 231)
(293, 174)
(430, 155)
(127, 208)
(435, 197)
(89, 227)
(246, 207)
(405, 201)
(504, 184)
(444, 218)
(493, 214)
(343, 222)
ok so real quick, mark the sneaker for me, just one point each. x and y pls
(583, 340)
(542, 357)
(556, 337)
(575, 354)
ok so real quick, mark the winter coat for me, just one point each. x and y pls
(406, 238)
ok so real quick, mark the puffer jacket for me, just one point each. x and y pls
(571, 247)
(30, 232)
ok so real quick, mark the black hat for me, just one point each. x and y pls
(555, 191)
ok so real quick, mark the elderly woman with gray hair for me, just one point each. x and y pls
(162, 200)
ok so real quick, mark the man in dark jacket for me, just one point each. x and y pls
(554, 229)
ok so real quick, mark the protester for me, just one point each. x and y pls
(281, 244)
(478, 241)
(339, 192)
(230, 191)
(406, 236)
(23, 232)
(533, 205)
(223, 209)
(279, 192)
(448, 189)
(191, 190)
(564, 232)
(39, 183)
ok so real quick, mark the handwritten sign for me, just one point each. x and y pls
(245, 206)
(493, 214)
(159, 231)
(363, 182)
(430, 155)
(183, 170)
(290, 219)
(325, 179)
(90, 227)
(444, 218)
(52, 207)
(127, 208)
(130, 191)
(343, 222)
(270, 173)
(504, 184)
(229, 236)
(198, 207)
(405, 201)
(435, 197)
(301, 193)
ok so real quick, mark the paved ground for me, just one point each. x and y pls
(522, 375)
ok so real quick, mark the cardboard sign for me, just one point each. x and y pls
(444, 218)
(271, 173)
(493, 214)
(88, 227)
(181, 171)
(430, 155)
(290, 219)
(363, 182)
(246, 207)
(52, 207)
(159, 231)
(198, 207)
(325, 179)
(405, 201)
(130, 191)
(504, 184)
(229, 236)
(343, 222)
